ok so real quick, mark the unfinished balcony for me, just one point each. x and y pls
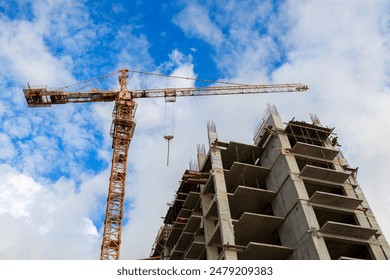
(346, 250)
(183, 239)
(342, 225)
(322, 174)
(245, 175)
(343, 231)
(247, 199)
(178, 225)
(307, 133)
(264, 231)
(334, 200)
(314, 152)
(243, 153)
(195, 250)
(261, 251)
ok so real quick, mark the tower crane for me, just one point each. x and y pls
(122, 130)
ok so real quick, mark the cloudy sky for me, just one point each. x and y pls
(54, 162)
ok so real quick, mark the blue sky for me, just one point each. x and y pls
(54, 162)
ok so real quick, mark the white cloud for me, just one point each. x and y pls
(45, 219)
(355, 37)
(178, 65)
(47, 222)
(16, 192)
(26, 61)
(133, 49)
(2, 109)
(18, 127)
(7, 149)
(90, 228)
(40, 49)
(117, 8)
(63, 23)
(42, 44)
(195, 22)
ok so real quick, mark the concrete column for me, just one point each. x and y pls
(201, 156)
(224, 218)
(209, 226)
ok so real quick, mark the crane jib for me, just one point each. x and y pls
(42, 97)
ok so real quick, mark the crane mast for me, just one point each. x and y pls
(122, 130)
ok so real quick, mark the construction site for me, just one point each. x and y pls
(289, 195)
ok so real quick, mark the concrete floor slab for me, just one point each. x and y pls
(252, 175)
(260, 251)
(314, 151)
(324, 174)
(212, 212)
(247, 199)
(191, 200)
(174, 235)
(176, 255)
(184, 214)
(193, 223)
(255, 228)
(184, 241)
(195, 250)
(241, 153)
(335, 200)
(348, 230)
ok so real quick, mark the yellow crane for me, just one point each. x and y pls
(122, 130)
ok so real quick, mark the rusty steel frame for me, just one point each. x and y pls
(122, 132)
(43, 97)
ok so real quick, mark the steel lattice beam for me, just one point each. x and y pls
(124, 126)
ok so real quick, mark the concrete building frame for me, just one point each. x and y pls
(290, 195)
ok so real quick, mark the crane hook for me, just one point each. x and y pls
(168, 138)
(169, 122)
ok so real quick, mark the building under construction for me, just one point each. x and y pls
(290, 195)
